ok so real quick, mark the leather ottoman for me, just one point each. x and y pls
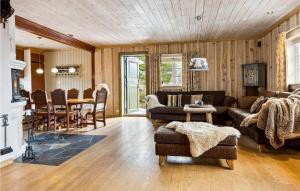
(168, 142)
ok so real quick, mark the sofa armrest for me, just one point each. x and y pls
(245, 102)
(229, 101)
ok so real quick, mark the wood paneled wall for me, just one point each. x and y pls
(224, 57)
(267, 53)
(68, 57)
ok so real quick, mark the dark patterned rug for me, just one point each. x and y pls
(54, 149)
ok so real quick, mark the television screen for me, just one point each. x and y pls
(198, 64)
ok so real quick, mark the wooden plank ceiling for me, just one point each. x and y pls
(109, 22)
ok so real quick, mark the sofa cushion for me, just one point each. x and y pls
(229, 101)
(245, 102)
(170, 136)
(209, 99)
(267, 93)
(293, 87)
(218, 96)
(186, 99)
(237, 114)
(168, 110)
(221, 110)
(283, 94)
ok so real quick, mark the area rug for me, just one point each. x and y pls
(54, 149)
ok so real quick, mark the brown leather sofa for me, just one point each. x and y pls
(293, 87)
(168, 142)
(217, 98)
(243, 106)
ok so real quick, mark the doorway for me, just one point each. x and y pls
(133, 84)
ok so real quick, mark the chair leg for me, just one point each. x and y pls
(104, 118)
(54, 123)
(37, 123)
(162, 160)
(48, 122)
(95, 121)
(77, 119)
(68, 122)
(230, 164)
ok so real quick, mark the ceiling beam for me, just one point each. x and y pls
(40, 30)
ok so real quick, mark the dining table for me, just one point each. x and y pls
(77, 101)
(72, 102)
(80, 101)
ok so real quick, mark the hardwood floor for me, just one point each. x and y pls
(125, 160)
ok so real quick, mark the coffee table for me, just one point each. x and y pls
(207, 109)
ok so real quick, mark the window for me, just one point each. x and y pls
(293, 56)
(171, 70)
(297, 63)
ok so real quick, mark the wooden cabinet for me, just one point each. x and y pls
(254, 77)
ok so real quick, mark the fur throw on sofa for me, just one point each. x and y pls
(277, 118)
(152, 102)
(202, 136)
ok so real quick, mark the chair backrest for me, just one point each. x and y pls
(26, 95)
(58, 98)
(88, 93)
(39, 98)
(101, 98)
(73, 93)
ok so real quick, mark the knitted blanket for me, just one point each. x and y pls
(202, 136)
(277, 118)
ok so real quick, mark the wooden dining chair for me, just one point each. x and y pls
(99, 107)
(88, 93)
(60, 107)
(26, 94)
(43, 111)
(73, 93)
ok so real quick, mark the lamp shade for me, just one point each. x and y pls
(198, 64)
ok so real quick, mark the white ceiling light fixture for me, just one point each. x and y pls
(72, 70)
(40, 69)
(198, 18)
(54, 70)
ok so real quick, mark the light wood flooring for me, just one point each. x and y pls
(125, 160)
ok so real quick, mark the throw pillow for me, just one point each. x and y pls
(152, 102)
(264, 101)
(174, 100)
(257, 104)
(195, 98)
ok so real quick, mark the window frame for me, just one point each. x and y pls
(297, 64)
(174, 86)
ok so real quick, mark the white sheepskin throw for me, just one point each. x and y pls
(152, 102)
(202, 136)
